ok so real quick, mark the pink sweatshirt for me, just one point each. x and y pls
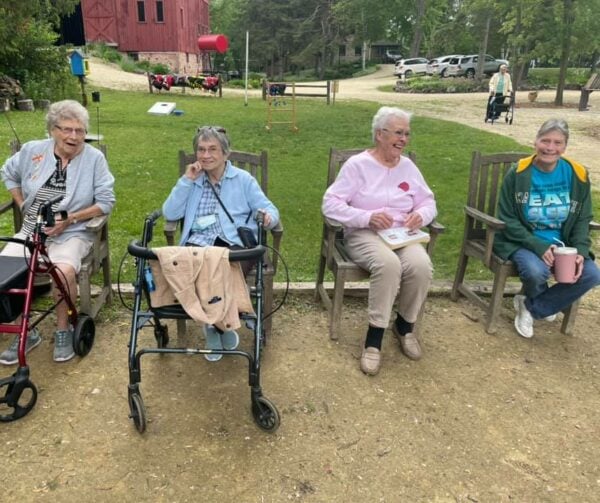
(364, 186)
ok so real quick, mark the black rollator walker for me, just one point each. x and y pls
(496, 106)
(264, 412)
(17, 291)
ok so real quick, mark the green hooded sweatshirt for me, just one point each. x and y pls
(512, 206)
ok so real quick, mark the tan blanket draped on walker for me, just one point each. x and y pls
(210, 288)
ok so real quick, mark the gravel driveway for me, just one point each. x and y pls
(465, 108)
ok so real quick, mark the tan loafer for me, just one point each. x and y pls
(409, 344)
(370, 361)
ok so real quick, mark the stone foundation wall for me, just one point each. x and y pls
(178, 62)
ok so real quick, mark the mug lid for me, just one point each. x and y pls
(565, 250)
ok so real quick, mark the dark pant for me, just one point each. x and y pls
(543, 300)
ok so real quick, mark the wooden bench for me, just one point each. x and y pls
(326, 90)
(593, 84)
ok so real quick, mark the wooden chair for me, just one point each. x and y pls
(257, 165)
(481, 225)
(96, 261)
(334, 256)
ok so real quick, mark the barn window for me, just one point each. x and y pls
(141, 11)
(160, 15)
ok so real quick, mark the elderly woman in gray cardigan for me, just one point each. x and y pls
(61, 165)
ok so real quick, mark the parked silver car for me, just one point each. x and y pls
(411, 66)
(438, 66)
(467, 65)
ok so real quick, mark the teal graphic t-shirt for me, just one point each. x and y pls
(549, 201)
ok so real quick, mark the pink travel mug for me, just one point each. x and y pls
(564, 264)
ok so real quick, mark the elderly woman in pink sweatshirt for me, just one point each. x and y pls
(378, 189)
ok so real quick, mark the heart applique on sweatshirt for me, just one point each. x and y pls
(404, 186)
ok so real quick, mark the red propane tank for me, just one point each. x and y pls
(217, 43)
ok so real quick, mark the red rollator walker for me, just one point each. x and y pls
(18, 394)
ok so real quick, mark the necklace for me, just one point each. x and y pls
(61, 171)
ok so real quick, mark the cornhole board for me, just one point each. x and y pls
(162, 108)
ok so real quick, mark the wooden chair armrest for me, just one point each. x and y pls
(95, 224)
(492, 226)
(7, 206)
(277, 230)
(332, 225)
(276, 235)
(484, 218)
(169, 230)
(435, 229)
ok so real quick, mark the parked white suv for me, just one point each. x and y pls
(411, 66)
(467, 65)
(438, 66)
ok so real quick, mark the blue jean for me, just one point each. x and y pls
(542, 300)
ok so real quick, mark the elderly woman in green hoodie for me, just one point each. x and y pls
(546, 200)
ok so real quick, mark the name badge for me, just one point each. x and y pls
(205, 221)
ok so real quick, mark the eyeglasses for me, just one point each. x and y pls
(69, 130)
(217, 129)
(406, 134)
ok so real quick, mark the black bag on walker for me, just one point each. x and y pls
(13, 274)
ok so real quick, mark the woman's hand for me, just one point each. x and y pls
(548, 256)
(266, 218)
(578, 266)
(57, 229)
(413, 221)
(193, 171)
(379, 221)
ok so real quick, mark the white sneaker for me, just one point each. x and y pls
(550, 318)
(523, 318)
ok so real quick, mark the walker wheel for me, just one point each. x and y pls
(265, 414)
(161, 334)
(137, 411)
(16, 403)
(83, 337)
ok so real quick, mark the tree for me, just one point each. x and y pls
(27, 37)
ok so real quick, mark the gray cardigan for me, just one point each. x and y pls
(89, 180)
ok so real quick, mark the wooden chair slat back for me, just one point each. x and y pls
(255, 164)
(485, 179)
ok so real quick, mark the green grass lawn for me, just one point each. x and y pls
(142, 153)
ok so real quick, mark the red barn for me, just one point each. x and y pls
(155, 30)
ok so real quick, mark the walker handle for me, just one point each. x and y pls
(136, 250)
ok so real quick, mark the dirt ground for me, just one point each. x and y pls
(480, 418)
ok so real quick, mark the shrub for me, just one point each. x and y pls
(439, 85)
(252, 83)
(128, 65)
(549, 77)
(144, 65)
(160, 68)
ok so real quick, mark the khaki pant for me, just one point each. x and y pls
(70, 252)
(407, 270)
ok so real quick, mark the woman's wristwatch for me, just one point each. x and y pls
(73, 218)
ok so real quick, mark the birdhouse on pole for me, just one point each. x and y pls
(79, 63)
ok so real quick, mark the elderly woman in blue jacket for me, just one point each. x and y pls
(208, 222)
(63, 165)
